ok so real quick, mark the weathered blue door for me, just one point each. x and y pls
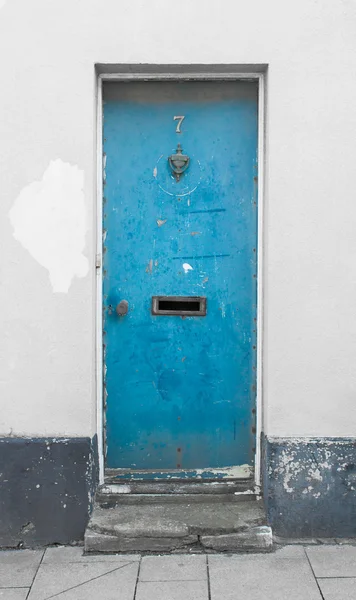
(180, 388)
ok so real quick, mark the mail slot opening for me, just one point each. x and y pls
(193, 306)
(178, 305)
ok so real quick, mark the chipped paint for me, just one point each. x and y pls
(187, 267)
(236, 472)
(115, 489)
(311, 469)
(310, 486)
(223, 473)
(104, 167)
(49, 220)
(161, 222)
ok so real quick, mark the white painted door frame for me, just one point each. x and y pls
(156, 74)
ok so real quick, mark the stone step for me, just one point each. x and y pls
(231, 486)
(108, 500)
(181, 526)
(115, 494)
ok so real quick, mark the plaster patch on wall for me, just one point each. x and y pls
(49, 220)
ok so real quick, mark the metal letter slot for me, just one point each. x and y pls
(189, 306)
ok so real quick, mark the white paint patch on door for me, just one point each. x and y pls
(49, 220)
(187, 267)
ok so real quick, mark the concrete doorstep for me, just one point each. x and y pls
(179, 526)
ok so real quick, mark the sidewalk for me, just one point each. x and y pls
(292, 572)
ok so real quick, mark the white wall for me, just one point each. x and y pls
(47, 113)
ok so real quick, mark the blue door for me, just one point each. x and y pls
(179, 287)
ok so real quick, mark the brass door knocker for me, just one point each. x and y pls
(178, 163)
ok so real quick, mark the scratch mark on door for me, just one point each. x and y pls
(149, 266)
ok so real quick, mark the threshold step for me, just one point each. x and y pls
(106, 499)
(181, 526)
(177, 487)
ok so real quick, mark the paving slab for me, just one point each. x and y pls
(333, 561)
(77, 579)
(174, 568)
(284, 574)
(172, 590)
(338, 589)
(14, 594)
(68, 554)
(18, 567)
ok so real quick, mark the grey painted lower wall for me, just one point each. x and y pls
(310, 487)
(46, 489)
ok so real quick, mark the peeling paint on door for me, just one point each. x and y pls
(187, 267)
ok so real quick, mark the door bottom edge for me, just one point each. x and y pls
(234, 473)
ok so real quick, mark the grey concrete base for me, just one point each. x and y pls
(168, 527)
(310, 487)
(47, 490)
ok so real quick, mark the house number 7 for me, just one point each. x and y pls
(180, 121)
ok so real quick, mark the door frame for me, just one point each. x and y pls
(127, 73)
